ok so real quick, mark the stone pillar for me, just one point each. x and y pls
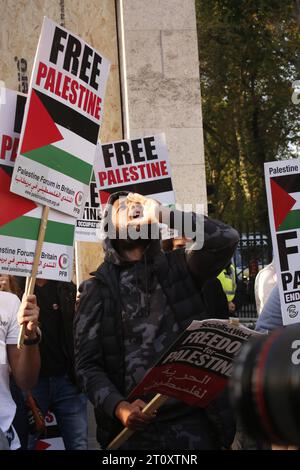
(95, 22)
(163, 84)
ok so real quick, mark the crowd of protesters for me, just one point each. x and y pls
(139, 300)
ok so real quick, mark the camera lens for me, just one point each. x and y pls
(265, 386)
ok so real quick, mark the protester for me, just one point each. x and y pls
(138, 302)
(56, 388)
(20, 423)
(24, 363)
(227, 278)
(10, 284)
(215, 299)
(271, 316)
(263, 285)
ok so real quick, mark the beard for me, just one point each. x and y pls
(140, 237)
(128, 245)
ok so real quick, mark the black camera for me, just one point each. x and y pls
(265, 386)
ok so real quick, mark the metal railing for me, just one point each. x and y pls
(252, 254)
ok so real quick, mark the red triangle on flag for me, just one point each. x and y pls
(104, 196)
(282, 203)
(42, 445)
(40, 129)
(12, 205)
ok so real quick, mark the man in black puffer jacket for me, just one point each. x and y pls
(139, 300)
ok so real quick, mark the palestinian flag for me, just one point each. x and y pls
(58, 137)
(21, 217)
(285, 192)
(119, 167)
(160, 189)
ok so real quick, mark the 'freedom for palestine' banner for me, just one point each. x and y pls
(61, 122)
(283, 193)
(138, 165)
(20, 217)
(196, 368)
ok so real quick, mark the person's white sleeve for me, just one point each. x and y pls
(14, 327)
(270, 317)
(264, 283)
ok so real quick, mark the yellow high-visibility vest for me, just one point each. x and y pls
(228, 282)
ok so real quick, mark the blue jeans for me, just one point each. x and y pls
(70, 408)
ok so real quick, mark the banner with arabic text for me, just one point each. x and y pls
(196, 368)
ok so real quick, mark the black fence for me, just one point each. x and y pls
(253, 253)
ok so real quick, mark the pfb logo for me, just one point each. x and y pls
(63, 261)
(296, 354)
(78, 198)
(292, 311)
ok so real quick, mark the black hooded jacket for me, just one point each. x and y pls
(99, 347)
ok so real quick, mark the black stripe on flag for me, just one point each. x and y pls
(290, 183)
(8, 169)
(51, 432)
(20, 106)
(148, 187)
(70, 119)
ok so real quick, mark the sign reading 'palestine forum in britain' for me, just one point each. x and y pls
(20, 217)
(283, 191)
(61, 122)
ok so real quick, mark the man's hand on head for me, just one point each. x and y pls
(149, 209)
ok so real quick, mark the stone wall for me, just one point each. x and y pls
(95, 22)
(164, 86)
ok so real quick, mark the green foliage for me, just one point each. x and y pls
(248, 62)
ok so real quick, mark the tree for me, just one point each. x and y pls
(248, 63)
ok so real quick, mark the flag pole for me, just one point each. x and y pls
(126, 433)
(30, 281)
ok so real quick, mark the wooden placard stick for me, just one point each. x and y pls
(234, 321)
(27, 284)
(30, 281)
(78, 264)
(124, 435)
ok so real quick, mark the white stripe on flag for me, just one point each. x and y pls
(76, 145)
(297, 197)
(54, 215)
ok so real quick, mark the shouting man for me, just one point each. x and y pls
(139, 300)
